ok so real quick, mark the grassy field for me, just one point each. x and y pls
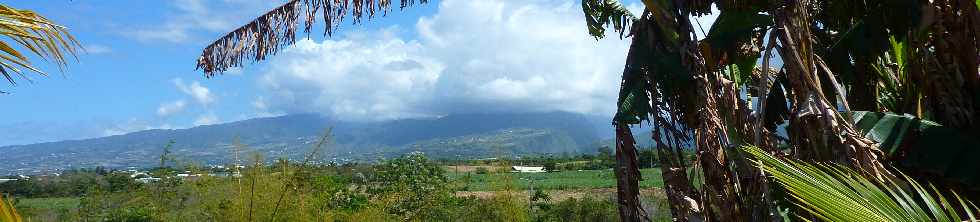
(43, 209)
(584, 179)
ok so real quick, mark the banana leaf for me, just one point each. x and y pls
(923, 145)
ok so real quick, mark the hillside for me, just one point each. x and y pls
(468, 135)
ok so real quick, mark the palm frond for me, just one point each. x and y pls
(33, 32)
(601, 13)
(7, 211)
(276, 29)
(835, 193)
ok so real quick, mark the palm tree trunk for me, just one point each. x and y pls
(627, 177)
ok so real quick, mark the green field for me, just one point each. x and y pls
(35, 209)
(584, 179)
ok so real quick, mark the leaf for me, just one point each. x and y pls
(887, 129)
(270, 32)
(730, 39)
(602, 13)
(835, 193)
(7, 211)
(923, 145)
(35, 33)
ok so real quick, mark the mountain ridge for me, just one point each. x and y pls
(291, 136)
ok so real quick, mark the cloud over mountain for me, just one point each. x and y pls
(470, 56)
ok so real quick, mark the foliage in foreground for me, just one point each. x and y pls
(832, 192)
(408, 188)
(7, 211)
(40, 36)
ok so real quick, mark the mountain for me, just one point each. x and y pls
(292, 136)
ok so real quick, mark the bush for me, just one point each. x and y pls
(482, 170)
(130, 214)
(411, 186)
(586, 209)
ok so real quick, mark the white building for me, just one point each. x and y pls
(148, 179)
(526, 169)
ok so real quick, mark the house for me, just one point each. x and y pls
(139, 175)
(526, 169)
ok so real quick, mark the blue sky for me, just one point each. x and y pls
(449, 56)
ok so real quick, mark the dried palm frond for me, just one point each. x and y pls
(31, 31)
(272, 31)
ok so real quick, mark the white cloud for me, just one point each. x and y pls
(200, 93)
(169, 33)
(471, 56)
(260, 103)
(206, 119)
(130, 126)
(237, 71)
(97, 49)
(191, 16)
(171, 108)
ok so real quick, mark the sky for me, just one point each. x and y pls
(445, 57)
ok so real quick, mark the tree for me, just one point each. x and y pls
(892, 56)
(647, 158)
(30, 31)
(415, 186)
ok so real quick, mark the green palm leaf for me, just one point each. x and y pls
(835, 193)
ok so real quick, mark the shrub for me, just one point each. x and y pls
(411, 187)
(482, 170)
(572, 209)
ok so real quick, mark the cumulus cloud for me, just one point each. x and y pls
(200, 93)
(171, 108)
(470, 56)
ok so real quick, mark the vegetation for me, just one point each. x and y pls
(857, 92)
(561, 180)
(69, 183)
(832, 192)
(7, 211)
(407, 188)
(838, 57)
(31, 32)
